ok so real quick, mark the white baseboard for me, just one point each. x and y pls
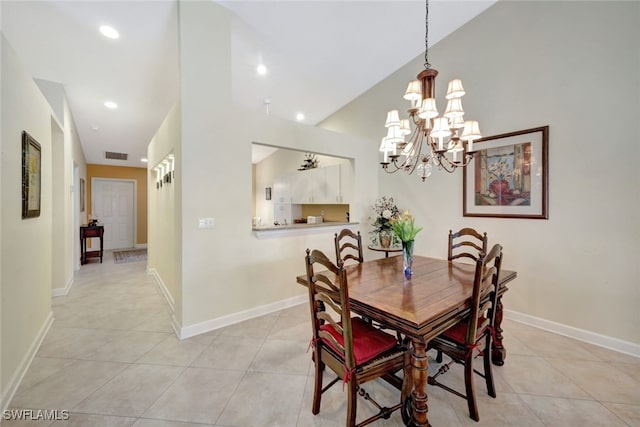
(140, 246)
(163, 288)
(168, 299)
(18, 375)
(594, 338)
(221, 322)
(60, 292)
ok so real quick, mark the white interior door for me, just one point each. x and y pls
(113, 205)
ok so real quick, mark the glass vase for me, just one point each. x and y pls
(407, 258)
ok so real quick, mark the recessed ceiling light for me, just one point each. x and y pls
(262, 69)
(144, 160)
(109, 32)
(299, 117)
(94, 128)
(111, 105)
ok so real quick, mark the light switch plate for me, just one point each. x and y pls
(205, 222)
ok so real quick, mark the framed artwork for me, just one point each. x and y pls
(508, 176)
(82, 195)
(31, 176)
(267, 193)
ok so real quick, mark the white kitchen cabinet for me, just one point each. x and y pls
(305, 186)
(282, 189)
(346, 182)
(332, 193)
(325, 185)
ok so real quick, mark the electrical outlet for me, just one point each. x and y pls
(205, 222)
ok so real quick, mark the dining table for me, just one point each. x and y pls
(433, 299)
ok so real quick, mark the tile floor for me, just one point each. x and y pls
(112, 359)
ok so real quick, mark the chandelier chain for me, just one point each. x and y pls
(427, 65)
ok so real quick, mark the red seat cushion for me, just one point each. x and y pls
(458, 333)
(368, 342)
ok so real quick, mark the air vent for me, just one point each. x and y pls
(115, 156)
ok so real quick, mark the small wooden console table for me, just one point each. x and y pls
(87, 232)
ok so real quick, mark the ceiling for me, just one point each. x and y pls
(319, 54)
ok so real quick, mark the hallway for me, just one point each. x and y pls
(111, 359)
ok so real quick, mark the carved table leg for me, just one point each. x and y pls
(419, 365)
(498, 352)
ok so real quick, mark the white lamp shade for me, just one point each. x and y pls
(455, 89)
(385, 146)
(454, 108)
(393, 119)
(405, 128)
(471, 131)
(440, 128)
(456, 123)
(395, 135)
(428, 109)
(414, 91)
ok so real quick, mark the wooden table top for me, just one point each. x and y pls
(435, 297)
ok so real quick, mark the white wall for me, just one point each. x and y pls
(226, 270)
(38, 254)
(163, 218)
(26, 264)
(575, 67)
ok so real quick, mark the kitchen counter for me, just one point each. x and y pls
(271, 231)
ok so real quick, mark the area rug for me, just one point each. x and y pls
(129, 255)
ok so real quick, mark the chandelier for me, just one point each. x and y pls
(433, 140)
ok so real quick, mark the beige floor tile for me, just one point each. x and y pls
(275, 401)
(88, 420)
(259, 327)
(69, 386)
(228, 352)
(535, 375)
(73, 342)
(633, 370)
(630, 414)
(292, 328)
(40, 369)
(132, 392)
(161, 423)
(602, 381)
(173, 351)
(281, 356)
(198, 395)
(547, 344)
(560, 412)
(128, 347)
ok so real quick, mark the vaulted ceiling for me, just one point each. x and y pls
(319, 56)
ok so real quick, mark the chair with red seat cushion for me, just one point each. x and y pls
(473, 334)
(353, 349)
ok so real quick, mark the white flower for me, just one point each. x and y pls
(386, 214)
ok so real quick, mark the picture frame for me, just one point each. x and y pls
(82, 194)
(31, 176)
(267, 193)
(508, 176)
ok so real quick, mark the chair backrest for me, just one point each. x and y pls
(468, 243)
(348, 246)
(485, 290)
(329, 302)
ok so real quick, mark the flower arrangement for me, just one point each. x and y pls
(404, 227)
(383, 211)
(500, 170)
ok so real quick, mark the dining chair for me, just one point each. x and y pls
(473, 334)
(353, 349)
(348, 246)
(466, 243)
